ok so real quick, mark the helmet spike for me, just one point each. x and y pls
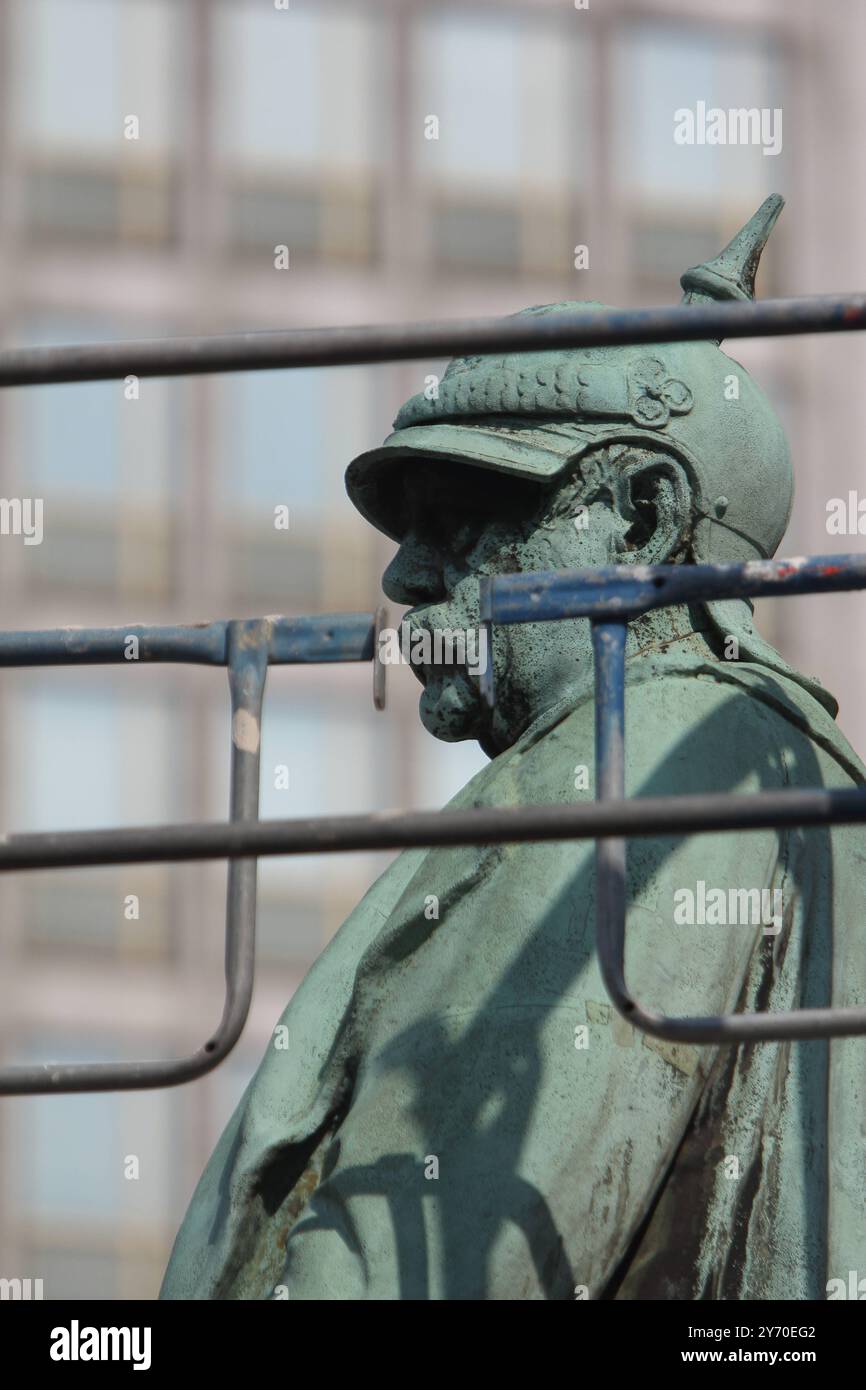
(731, 275)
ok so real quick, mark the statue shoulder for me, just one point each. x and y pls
(689, 727)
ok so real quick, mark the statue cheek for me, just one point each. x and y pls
(481, 558)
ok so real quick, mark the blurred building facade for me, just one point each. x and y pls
(255, 128)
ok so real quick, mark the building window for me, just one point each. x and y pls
(324, 752)
(684, 201)
(95, 1184)
(87, 71)
(285, 440)
(299, 134)
(73, 769)
(102, 464)
(505, 173)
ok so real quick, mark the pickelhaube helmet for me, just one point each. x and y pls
(533, 414)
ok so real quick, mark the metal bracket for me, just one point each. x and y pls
(246, 647)
(380, 621)
(609, 597)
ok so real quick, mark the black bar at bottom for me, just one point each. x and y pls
(381, 830)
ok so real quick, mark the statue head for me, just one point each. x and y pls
(567, 458)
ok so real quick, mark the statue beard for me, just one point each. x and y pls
(451, 707)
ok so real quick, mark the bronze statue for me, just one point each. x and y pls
(457, 1111)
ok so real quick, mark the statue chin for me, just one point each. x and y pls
(449, 706)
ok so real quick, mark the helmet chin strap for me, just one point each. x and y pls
(763, 553)
(733, 618)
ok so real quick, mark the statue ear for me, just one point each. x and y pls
(654, 502)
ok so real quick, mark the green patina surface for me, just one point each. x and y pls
(459, 1112)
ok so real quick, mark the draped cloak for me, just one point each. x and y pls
(460, 1113)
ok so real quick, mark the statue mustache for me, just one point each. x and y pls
(430, 646)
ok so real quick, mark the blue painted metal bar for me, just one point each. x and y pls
(626, 591)
(94, 646)
(328, 638)
(608, 643)
(325, 637)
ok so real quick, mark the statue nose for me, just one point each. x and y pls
(415, 573)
